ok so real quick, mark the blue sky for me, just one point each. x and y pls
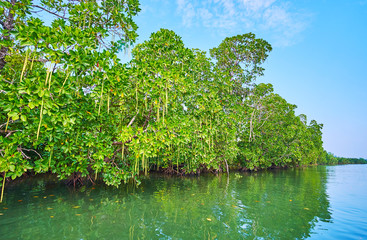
(319, 57)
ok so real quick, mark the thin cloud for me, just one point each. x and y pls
(275, 18)
(186, 9)
(257, 5)
(285, 25)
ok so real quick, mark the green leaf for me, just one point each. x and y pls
(11, 168)
(13, 115)
(31, 105)
(23, 118)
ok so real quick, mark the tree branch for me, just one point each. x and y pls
(9, 132)
(148, 118)
(132, 120)
(4, 124)
(2, 24)
(29, 150)
(50, 12)
(113, 157)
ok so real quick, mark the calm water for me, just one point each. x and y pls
(313, 203)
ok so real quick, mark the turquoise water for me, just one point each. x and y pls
(306, 203)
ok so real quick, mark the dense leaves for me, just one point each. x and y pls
(68, 106)
(62, 86)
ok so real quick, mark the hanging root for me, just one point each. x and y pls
(2, 188)
(75, 180)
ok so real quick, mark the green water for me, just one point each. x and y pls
(316, 203)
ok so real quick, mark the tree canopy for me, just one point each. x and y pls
(70, 107)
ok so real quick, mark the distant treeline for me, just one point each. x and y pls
(331, 159)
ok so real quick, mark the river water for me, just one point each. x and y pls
(304, 203)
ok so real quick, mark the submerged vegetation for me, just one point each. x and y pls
(68, 106)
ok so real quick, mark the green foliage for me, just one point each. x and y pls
(67, 105)
(275, 136)
(61, 94)
(331, 159)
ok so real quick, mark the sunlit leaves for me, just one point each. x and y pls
(70, 107)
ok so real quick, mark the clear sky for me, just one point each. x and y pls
(319, 57)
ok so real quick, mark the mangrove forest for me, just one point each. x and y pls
(70, 107)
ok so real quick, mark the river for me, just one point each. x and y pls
(323, 202)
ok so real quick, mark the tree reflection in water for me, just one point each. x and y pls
(277, 204)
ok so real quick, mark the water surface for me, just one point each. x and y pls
(305, 203)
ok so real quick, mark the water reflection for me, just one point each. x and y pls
(347, 191)
(284, 204)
